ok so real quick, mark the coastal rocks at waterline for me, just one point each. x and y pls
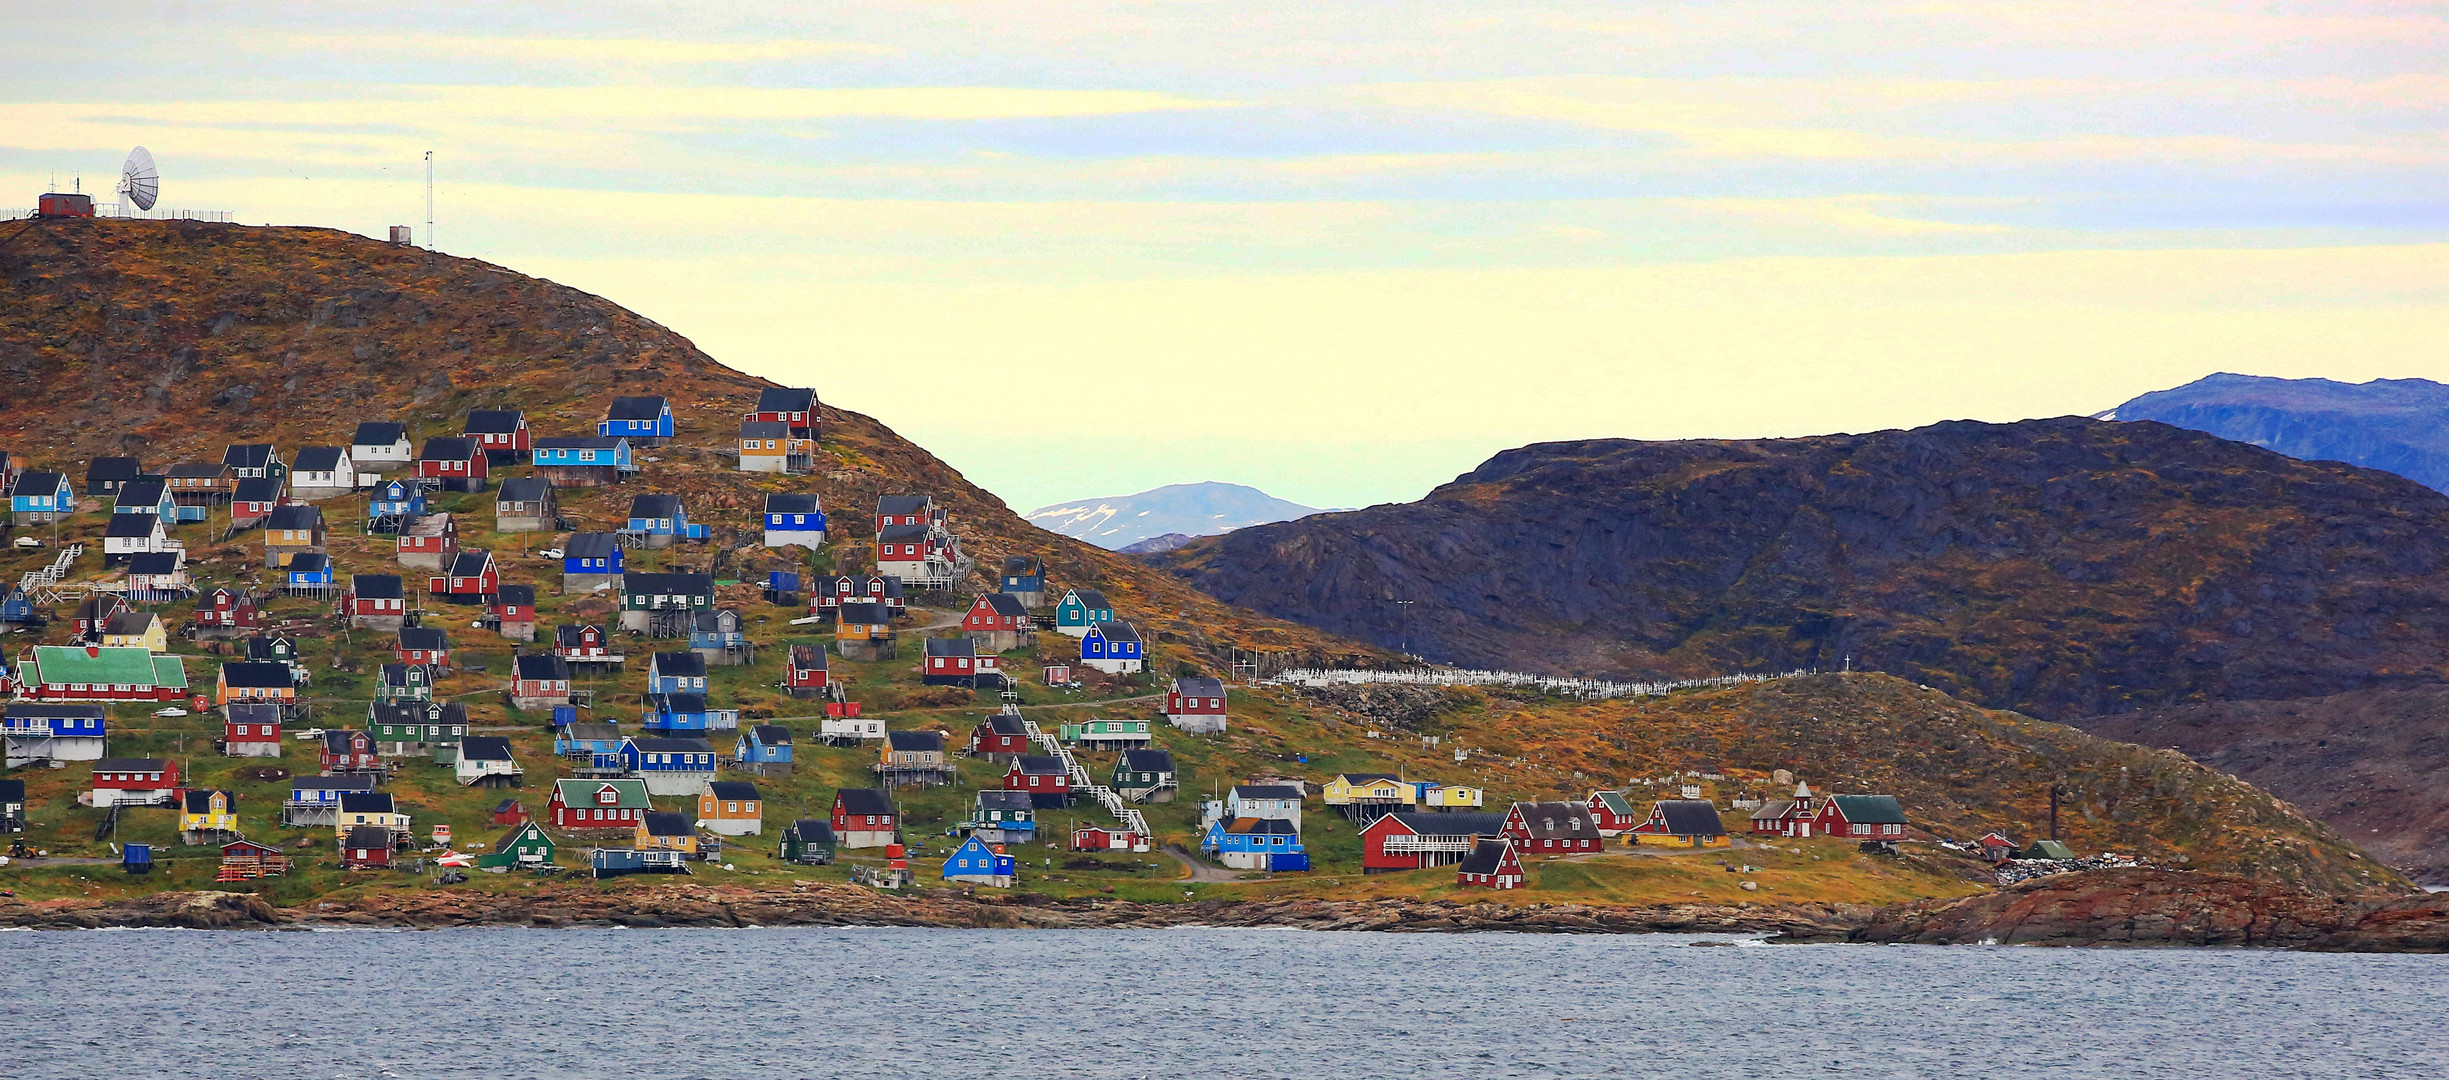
(2144, 906)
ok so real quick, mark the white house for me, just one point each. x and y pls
(322, 472)
(128, 535)
(378, 448)
(1278, 802)
(483, 758)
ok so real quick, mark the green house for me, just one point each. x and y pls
(1081, 609)
(1108, 732)
(133, 672)
(808, 842)
(1145, 774)
(414, 727)
(525, 846)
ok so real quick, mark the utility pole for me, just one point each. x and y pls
(429, 208)
(1405, 607)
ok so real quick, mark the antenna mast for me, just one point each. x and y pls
(429, 202)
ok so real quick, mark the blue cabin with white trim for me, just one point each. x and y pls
(42, 497)
(554, 452)
(392, 504)
(662, 515)
(587, 740)
(146, 495)
(794, 519)
(592, 553)
(686, 714)
(310, 570)
(669, 766)
(976, 863)
(676, 673)
(1256, 844)
(1113, 648)
(1081, 609)
(765, 744)
(637, 418)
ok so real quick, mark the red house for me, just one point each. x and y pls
(1412, 841)
(806, 675)
(1552, 828)
(894, 510)
(1492, 864)
(997, 613)
(1787, 817)
(367, 847)
(597, 804)
(514, 612)
(251, 730)
(349, 751)
(500, 433)
(454, 464)
(792, 407)
(1613, 812)
(426, 645)
(473, 579)
(588, 645)
(376, 602)
(826, 595)
(1000, 734)
(509, 812)
(1043, 777)
(1861, 817)
(228, 609)
(1196, 704)
(135, 781)
(429, 541)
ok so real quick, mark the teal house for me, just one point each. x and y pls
(1081, 609)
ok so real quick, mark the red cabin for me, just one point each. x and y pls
(252, 731)
(1552, 828)
(597, 804)
(509, 812)
(500, 433)
(1613, 812)
(424, 645)
(452, 461)
(349, 751)
(1861, 817)
(1412, 841)
(997, 613)
(999, 734)
(1492, 864)
(806, 674)
(473, 579)
(1196, 702)
(1044, 778)
(225, 608)
(429, 540)
(514, 611)
(64, 204)
(366, 848)
(134, 780)
(585, 644)
(1787, 817)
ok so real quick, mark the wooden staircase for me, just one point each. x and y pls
(1081, 783)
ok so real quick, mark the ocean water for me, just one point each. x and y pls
(1186, 1004)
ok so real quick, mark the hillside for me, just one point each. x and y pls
(2060, 567)
(1202, 509)
(2368, 762)
(169, 340)
(2396, 425)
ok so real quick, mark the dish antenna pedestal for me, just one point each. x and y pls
(139, 182)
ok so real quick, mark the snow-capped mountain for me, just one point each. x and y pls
(1202, 509)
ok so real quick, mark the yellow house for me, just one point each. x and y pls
(1348, 789)
(1453, 797)
(731, 808)
(360, 809)
(663, 831)
(136, 630)
(208, 812)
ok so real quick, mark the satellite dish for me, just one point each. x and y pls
(139, 181)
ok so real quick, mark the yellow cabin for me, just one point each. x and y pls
(1454, 797)
(208, 812)
(662, 831)
(1350, 788)
(136, 630)
(361, 809)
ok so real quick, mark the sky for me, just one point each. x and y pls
(1344, 252)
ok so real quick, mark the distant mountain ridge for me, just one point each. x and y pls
(2396, 425)
(1201, 509)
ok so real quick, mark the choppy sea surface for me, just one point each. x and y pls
(1187, 1004)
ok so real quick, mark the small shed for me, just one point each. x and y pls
(807, 842)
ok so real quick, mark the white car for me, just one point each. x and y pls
(549, 553)
(310, 733)
(171, 711)
(29, 541)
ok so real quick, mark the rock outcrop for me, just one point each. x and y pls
(2159, 907)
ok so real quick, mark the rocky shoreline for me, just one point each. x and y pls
(2136, 907)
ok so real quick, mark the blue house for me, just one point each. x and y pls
(766, 749)
(719, 636)
(587, 741)
(590, 555)
(676, 673)
(585, 461)
(53, 733)
(638, 418)
(1113, 648)
(16, 606)
(977, 863)
(669, 766)
(1256, 844)
(1081, 609)
(686, 714)
(42, 497)
(392, 504)
(315, 800)
(146, 495)
(1025, 576)
(660, 518)
(310, 570)
(794, 519)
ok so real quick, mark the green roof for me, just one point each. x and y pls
(2047, 849)
(123, 665)
(578, 792)
(1870, 809)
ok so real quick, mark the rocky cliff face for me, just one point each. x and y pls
(2157, 907)
(2058, 567)
(2398, 425)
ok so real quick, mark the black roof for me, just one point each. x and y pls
(638, 584)
(895, 534)
(773, 734)
(1690, 817)
(1117, 631)
(662, 745)
(681, 703)
(310, 560)
(247, 455)
(812, 830)
(653, 505)
(493, 421)
(584, 732)
(543, 666)
(786, 399)
(1091, 598)
(155, 562)
(131, 764)
(1487, 857)
(1023, 565)
(516, 595)
(914, 740)
(859, 800)
(131, 525)
(346, 782)
(368, 837)
(635, 408)
(902, 504)
(141, 491)
(29, 710)
(1040, 765)
(1148, 760)
(1554, 820)
(524, 489)
(257, 674)
(1262, 827)
(792, 503)
(420, 712)
(259, 489)
(12, 791)
(1006, 604)
(1002, 799)
(318, 459)
(484, 748)
(732, 789)
(577, 442)
(42, 481)
(590, 545)
(1005, 724)
(951, 647)
(867, 612)
(197, 469)
(396, 674)
(377, 587)
(199, 800)
(113, 468)
(1267, 791)
(252, 712)
(470, 563)
(763, 429)
(378, 433)
(424, 637)
(366, 802)
(1198, 686)
(679, 663)
(568, 633)
(295, 516)
(447, 448)
(668, 823)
